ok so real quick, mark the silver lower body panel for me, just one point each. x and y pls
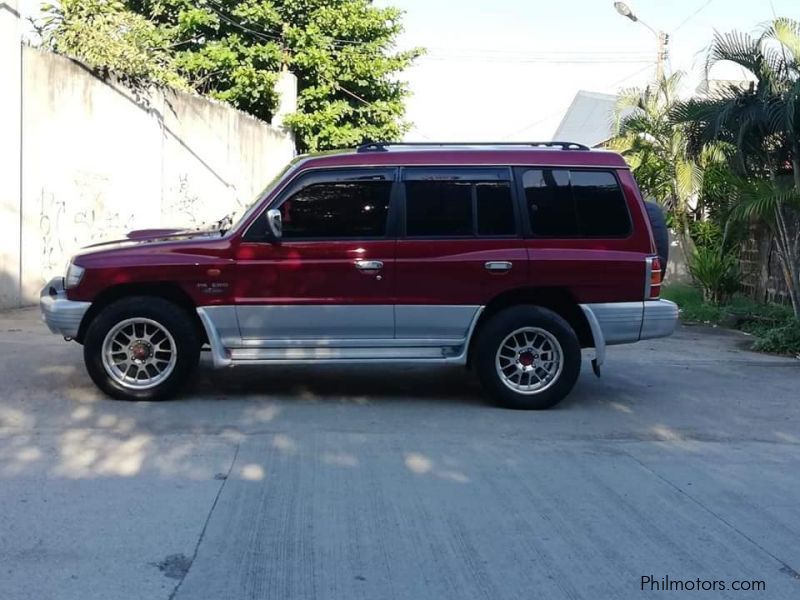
(447, 338)
(61, 315)
(659, 319)
(627, 322)
(610, 323)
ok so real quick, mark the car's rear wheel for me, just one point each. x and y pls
(141, 348)
(527, 357)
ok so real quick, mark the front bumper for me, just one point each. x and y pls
(61, 315)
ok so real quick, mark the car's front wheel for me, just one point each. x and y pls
(527, 357)
(141, 348)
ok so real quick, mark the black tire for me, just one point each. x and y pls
(493, 334)
(660, 231)
(171, 317)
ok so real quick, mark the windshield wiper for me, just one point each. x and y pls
(225, 223)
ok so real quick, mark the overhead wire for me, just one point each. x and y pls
(488, 55)
(449, 54)
(561, 110)
(692, 16)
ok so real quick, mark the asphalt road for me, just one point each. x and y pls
(303, 483)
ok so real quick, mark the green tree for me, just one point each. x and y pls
(109, 38)
(659, 153)
(762, 123)
(342, 52)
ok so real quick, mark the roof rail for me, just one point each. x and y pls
(385, 146)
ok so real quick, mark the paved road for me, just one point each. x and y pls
(682, 460)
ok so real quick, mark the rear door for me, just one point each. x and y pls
(459, 247)
(332, 274)
(582, 233)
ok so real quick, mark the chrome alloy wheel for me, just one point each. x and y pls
(139, 353)
(529, 360)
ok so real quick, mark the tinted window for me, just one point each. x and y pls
(575, 203)
(495, 209)
(438, 208)
(550, 204)
(347, 209)
(600, 204)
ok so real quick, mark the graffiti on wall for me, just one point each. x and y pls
(76, 216)
(183, 204)
(187, 205)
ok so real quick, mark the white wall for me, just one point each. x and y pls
(98, 161)
(10, 123)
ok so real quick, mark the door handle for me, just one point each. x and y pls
(498, 266)
(369, 265)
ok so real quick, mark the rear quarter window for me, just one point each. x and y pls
(575, 203)
(459, 202)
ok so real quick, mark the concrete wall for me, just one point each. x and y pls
(10, 127)
(98, 160)
(677, 268)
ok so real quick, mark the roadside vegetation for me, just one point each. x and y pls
(342, 51)
(773, 326)
(726, 168)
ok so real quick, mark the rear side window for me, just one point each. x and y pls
(495, 209)
(575, 203)
(549, 202)
(345, 209)
(459, 208)
(438, 208)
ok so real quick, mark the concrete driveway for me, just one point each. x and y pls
(682, 461)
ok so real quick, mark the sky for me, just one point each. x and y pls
(506, 69)
(490, 73)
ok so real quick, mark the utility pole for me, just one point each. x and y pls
(661, 57)
(661, 37)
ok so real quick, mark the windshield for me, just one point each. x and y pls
(233, 219)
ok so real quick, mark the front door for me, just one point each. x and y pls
(332, 275)
(460, 247)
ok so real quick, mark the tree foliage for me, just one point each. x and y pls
(342, 52)
(762, 123)
(658, 151)
(109, 38)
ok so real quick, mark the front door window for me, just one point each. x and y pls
(337, 210)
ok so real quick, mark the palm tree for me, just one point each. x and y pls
(762, 123)
(658, 151)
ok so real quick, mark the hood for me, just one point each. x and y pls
(146, 237)
(149, 236)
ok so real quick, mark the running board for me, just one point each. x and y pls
(277, 352)
(341, 354)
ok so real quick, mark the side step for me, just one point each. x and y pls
(230, 350)
(326, 354)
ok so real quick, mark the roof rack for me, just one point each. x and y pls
(384, 146)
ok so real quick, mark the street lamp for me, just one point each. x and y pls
(625, 11)
(663, 38)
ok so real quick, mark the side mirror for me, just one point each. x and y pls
(274, 224)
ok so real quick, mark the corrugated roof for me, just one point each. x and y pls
(588, 120)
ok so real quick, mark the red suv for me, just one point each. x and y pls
(508, 259)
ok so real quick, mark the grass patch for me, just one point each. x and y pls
(774, 327)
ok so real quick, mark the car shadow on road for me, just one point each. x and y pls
(340, 384)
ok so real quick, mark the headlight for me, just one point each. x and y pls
(73, 276)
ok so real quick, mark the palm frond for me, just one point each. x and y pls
(736, 47)
(758, 198)
(688, 178)
(792, 112)
(787, 33)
